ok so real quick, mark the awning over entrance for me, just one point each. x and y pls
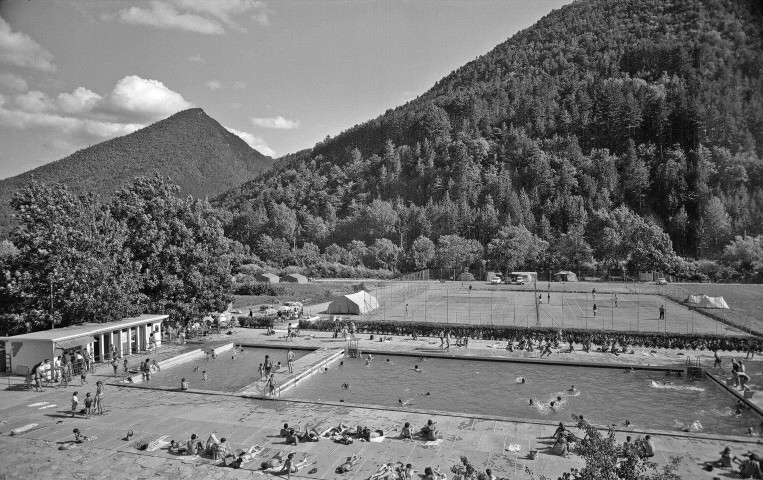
(72, 342)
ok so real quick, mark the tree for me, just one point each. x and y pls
(454, 251)
(383, 253)
(8, 249)
(184, 258)
(283, 222)
(714, 227)
(423, 252)
(72, 265)
(275, 251)
(745, 255)
(571, 250)
(514, 247)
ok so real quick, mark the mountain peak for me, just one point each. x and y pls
(189, 147)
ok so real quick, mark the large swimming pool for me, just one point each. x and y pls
(647, 399)
(224, 373)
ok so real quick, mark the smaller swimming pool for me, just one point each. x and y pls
(224, 373)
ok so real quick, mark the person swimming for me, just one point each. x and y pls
(345, 385)
(531, 402)
(572, 389)
(416, 368)
(406, 402)
(388, 361)
(552, 404)
(368, 362)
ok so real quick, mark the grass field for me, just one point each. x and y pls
(307, 293)
(570, 306)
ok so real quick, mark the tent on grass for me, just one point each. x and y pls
(466, 277)
(294, 278)
(703, 301)
(358, 303)
(267, 278)
(565, 276)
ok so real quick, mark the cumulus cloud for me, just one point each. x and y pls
(256, 143)
(19, 49)
(279, 123)
(165, 16)
(209, 17)
(214, 85)
(13, 82)
(84, 117)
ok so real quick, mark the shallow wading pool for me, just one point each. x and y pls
(224, 373)
(648, 399)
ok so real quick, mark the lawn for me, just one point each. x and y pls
(746, 302)
(307, 293)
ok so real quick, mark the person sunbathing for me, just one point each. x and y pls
(245, 457)
(388, 471)
(433, 474)
(348, 465)
(274, 462)
(290, 467)
(406, 431)
(560, 447)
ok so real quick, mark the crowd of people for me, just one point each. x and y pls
(590, 340)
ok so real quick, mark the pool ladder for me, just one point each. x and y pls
(694, 369)
(353, 351)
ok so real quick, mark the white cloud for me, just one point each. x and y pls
(19, 49)
(256, 143)
(144, 98)
(84, 117)
(226, 10)
(239, 85)
(196, 59)
(13, 82)
(165, 16)
(278, 123)
(214, 85)
(200, 16)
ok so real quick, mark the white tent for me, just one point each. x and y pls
(703, 301)
(358, 303)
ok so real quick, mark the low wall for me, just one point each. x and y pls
(315, 368)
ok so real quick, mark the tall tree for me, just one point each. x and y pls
(180, 246)
(72, 265)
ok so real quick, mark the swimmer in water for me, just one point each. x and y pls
(421, 359)
(341, 363)
(368, 362)
(572, 389)
(416, 368)
(552, 405)
(531, 402)
(388, 361)
(407, 402)
(627, 423)
(559, 399)
(345, 385)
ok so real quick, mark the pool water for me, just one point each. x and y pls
(649, 400)
(223, 373)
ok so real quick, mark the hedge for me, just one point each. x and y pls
(576, 335)
(259, 321)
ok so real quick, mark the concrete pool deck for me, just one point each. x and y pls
(151, 414)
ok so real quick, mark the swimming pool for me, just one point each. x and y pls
(649, 400)
(224, 373)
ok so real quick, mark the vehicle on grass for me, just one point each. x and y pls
(661, 281)
(515, 280)
(495, 280)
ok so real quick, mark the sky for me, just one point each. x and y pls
(282, 75)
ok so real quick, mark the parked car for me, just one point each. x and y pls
(661, 281)
(495, 280)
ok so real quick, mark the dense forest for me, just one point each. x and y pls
(620, 133)
(192, 149)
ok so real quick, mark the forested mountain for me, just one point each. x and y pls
(648, 112)
(192, 149)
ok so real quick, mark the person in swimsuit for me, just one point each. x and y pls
(348, 465)
(406, 431)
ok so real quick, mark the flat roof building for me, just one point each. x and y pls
(100, 341)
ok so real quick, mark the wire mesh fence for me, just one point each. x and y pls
(612, 306)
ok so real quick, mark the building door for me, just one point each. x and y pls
(125, 342)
